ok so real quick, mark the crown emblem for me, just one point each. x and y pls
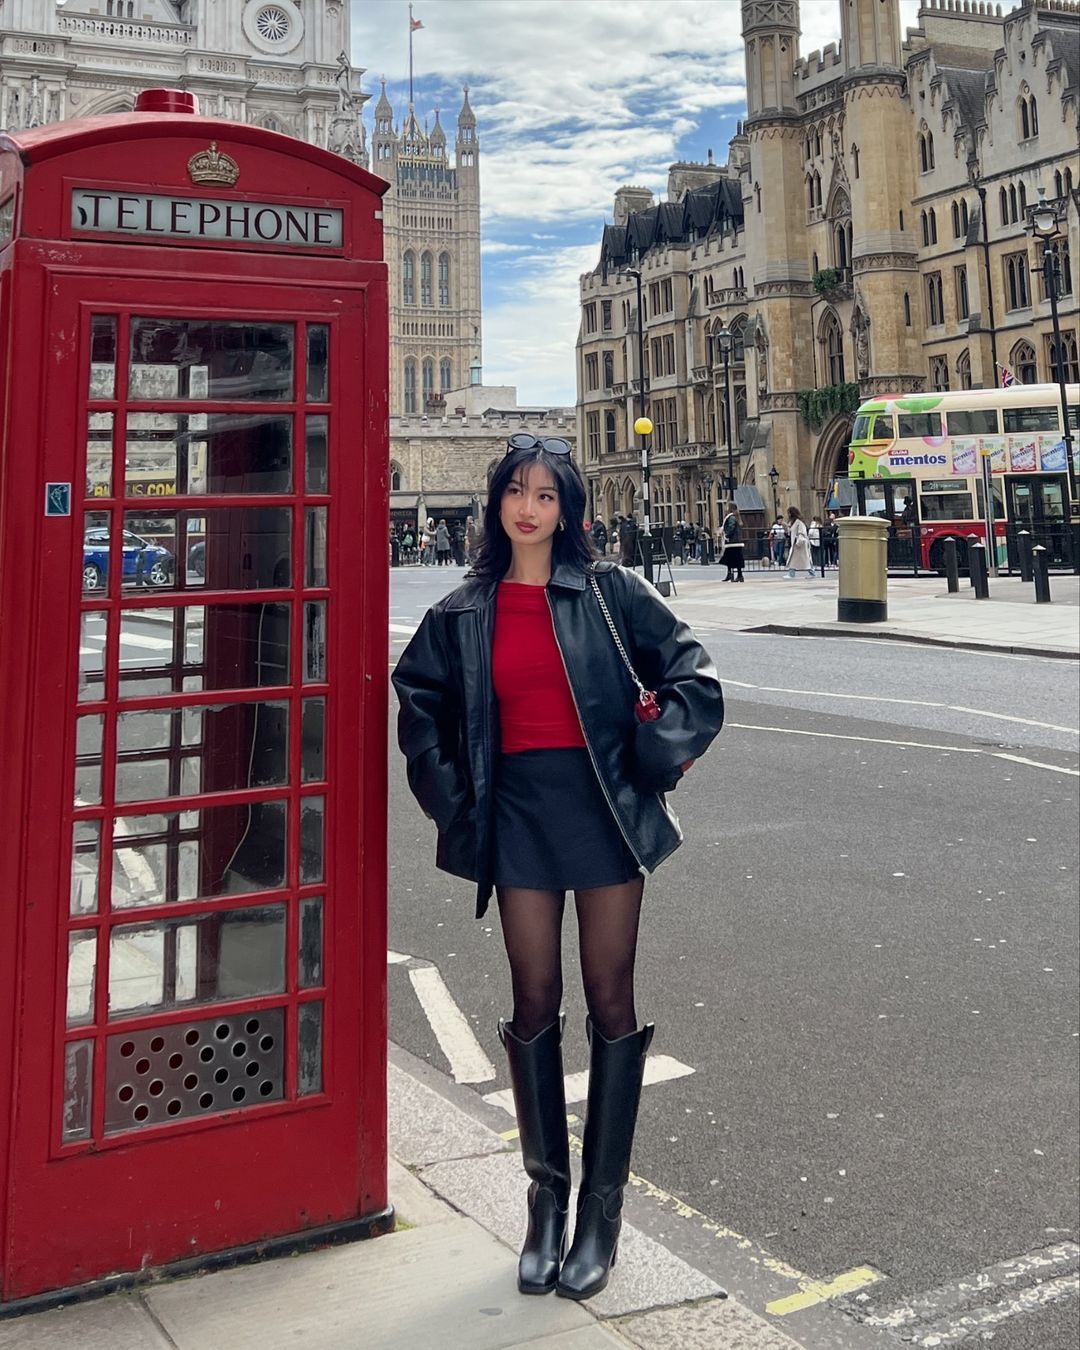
(213, 166)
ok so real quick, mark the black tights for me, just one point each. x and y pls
(608, 927)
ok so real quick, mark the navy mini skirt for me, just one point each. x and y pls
(553, 828)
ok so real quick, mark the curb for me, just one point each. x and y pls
(920, 639)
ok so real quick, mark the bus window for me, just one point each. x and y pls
(875, 501)
(973, 422)
(873, 427)
(948, 505)
(1032, 419)
(918, 424)
(1074, 416)
(999, 500)
(861, 430)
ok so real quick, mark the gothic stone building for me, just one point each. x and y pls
(842, 247)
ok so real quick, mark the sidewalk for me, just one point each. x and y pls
(920, 610)
(446, 1278)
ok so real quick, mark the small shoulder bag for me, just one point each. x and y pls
(646, 705)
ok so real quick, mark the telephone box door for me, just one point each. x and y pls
(199, 657)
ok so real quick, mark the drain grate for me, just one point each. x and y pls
(194, 1069)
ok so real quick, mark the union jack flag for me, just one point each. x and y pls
(1008, 379)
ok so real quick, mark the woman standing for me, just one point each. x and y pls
(799, 552)
(777, 540)
(518, 721)
(443, 548)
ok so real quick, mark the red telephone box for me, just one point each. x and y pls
(193, 695)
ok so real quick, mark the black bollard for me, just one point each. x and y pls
(952, 569)
(977, 563)
(1042, 575)
(1023, 547)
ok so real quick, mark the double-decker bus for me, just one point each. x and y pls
(917, 460)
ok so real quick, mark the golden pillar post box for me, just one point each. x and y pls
(862, 593)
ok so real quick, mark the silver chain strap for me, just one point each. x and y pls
(615, 635)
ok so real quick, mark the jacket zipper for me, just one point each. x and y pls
(585, 735)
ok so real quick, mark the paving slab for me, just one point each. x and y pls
(414, 1203)
(117, 1323)
(425, 1127)
(707, 1326)
(449, 1285)
(646, 1275)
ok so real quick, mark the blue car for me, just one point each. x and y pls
(143, 561)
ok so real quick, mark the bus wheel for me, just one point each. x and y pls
(937, 555)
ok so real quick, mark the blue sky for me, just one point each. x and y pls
(573, 99)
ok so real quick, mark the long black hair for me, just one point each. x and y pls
(570, 546)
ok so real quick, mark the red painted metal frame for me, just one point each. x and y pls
(75, 1212)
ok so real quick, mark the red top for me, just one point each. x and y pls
(536, 707)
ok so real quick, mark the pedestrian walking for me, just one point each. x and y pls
(427, 543)
(830, 540)
(799, 547)
(628, 535)
(813, 534)
(599, 536)
(457, 543)
(470, 540)
(777, 540)
(519, 723)
(732, 546)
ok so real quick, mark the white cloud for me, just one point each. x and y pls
(493, 246)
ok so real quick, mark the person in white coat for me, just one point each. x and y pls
(799, 559)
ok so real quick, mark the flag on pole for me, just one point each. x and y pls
(1008, 379)
(414, 24)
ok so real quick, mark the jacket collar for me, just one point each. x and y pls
(476, 593)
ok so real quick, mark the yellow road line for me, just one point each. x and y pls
(813, 1291)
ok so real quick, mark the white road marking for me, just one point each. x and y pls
(906, 702)
(468, 1063)
(396, 958)
(911, 745)
(936, 1318)
(658, 1069)
(409, 629)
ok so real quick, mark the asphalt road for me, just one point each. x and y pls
(866, 951)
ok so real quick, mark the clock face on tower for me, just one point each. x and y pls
(273, 26)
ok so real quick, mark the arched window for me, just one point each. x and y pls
(1067, 355)
(410, 385)
(1057, 183)
(815, 267)
(817, 143)
(1003, 206)
(429, 380)
(1033, 109)
(1022, 363)
(926, 150)
(855, 161)
(930, 147)
(907, 310)
(425, 278)
(1018, 294)
(925, 220)
(446, 374)
(963, 370)
(1012, 203)
(396, 476)
(933, 226)
(444, 278)
(809, 191)
(956, 220)
(843, 260)
(964, 219)
(408, 279)
(817, 188)
(1023, 199)
(1068, 181)
(939, 372)
(962, 303)
(1025, 128)
(832, 341)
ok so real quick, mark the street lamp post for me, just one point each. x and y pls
(643, 430)
(774, 478)
(707, 487)
(975, 179)
(724, 339)
(1044, 225)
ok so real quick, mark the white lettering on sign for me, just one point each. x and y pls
(146, 215)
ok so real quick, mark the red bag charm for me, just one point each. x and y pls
(647, 707)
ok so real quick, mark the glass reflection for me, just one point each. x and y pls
(318, 350)
(210, 359)
(314, 641)
(85, 856)
(169, 453)
(99, 451)
(78, 1089)
(204, 647)
(315, 546)
(311, 943)
(311, 839)
(172, 752)
(197, 960)
(102, 356)
(93, 630)
(82, 957)
(313, 741)
(198, 855)
(95, 563)
(317, 475)
(231, 548)
(309, 1049)
(88, 740)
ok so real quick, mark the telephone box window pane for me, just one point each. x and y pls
(231, 548)
(198, 855)
(318, 476)
(78, 1089)
(211, 359)
(88, 733)
(102, 356)
(311, 943)
(82, 958)
(220, 453)
(207, 647)
(196, 960)
(315, 546)
(311, 839)
(85, 856)
(94, 625)
(309, 1049)
(178, 752)
(318, 349)
(314, 641)
(313, 741)
(95, 560)
(99, 449)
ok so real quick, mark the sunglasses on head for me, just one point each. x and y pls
(523, 440)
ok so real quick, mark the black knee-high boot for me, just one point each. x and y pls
(616, 1069)
(536, 1074)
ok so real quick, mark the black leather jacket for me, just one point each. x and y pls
(448, 725)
